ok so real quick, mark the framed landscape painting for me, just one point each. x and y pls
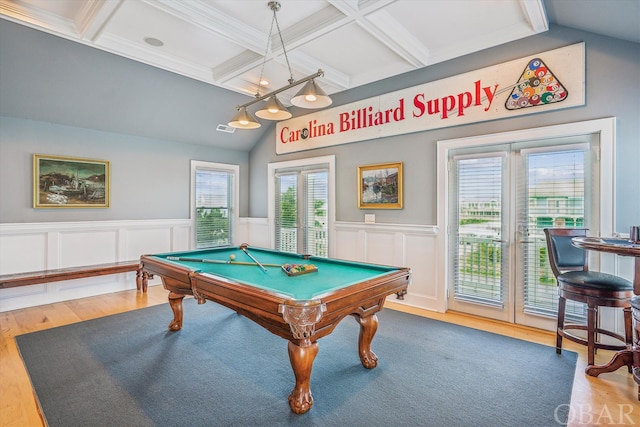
(68, 182)
(380, 186)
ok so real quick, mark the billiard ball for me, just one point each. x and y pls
(232, 257)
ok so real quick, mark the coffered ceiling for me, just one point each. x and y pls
(355, 42)
(223, 42)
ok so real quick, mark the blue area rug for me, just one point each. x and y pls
(222, 369)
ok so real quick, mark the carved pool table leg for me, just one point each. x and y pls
(368, 328)
(175, 301)
(301, 358)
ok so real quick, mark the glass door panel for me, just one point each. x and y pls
(287, 212)
(552, 183)
(480, 282)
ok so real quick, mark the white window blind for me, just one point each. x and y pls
(316, 202)
(213, 207)
(476, 246)
(554, 197)
(286, 219)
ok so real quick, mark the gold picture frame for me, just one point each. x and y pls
(69, 182)
(380, 186)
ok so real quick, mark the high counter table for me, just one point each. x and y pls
(630, 357)
(301, 308)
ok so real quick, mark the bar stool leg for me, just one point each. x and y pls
(592, 319)
(562, 304)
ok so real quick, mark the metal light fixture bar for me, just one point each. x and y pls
(319, 73)
(310, 96)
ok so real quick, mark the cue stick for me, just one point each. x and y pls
(216, 261)
(244, 249)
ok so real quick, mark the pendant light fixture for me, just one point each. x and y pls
(273, 110)
(311, 95)
(244, 120)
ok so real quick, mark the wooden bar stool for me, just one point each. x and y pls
(576, 283)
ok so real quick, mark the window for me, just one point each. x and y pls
(301, 207)
(214, 202)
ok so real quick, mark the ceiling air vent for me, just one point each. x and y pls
(225, 128)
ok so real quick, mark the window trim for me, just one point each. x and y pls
(235, 208)
(273, 168)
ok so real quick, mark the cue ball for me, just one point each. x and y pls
(232, 257)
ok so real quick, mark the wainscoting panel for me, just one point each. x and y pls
(352, 245)
(148, 241)
(380, 247)
(86, 247)
(43, 246)
(421, 255)
(255, 232)
(402, 245)
(23, 252)
(181, 237)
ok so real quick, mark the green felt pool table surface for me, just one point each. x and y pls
(331, 274)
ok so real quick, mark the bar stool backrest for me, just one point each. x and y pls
(563, 255)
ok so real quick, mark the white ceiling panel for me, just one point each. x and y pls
(357, 63)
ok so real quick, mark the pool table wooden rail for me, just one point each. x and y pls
(262, 306)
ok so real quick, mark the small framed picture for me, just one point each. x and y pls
(68, 182)
(380, 186)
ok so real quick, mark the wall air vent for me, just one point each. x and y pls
(225, 128)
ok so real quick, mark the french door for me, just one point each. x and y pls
(301, 206)
(301, 221)
(501, 198)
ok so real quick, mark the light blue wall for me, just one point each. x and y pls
(50, 79)
(58, 97)
(150, 178)
(613, 72)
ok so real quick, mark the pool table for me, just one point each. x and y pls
(300, 308)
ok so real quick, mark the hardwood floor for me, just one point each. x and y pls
(610, 399)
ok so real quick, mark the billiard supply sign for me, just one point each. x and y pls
(539, 83)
